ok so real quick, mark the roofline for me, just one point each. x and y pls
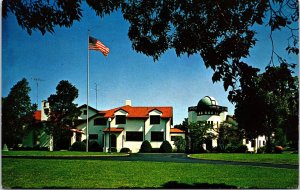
(84, 105)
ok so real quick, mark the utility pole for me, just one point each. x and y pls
(37, 80)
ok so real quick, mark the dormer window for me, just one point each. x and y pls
(84, 112)
(120, 119)
(154, 119)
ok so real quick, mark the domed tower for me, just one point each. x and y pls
(209, 111)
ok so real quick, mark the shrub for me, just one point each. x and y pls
(261, 150)
(146, 147)
(278, 149)
(155, 150)
(241, 149)
(113, 149)
(94, 146)
(165, 147)
(236, 148)
(125, 150)
(78, 146)
(180, 144)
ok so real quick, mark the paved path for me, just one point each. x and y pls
(156, 157)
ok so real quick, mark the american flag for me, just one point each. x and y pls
(95, 44)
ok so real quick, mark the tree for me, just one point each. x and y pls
(17, 112)
(199, 133)
(271, 102)
(63, 114)
(180, 143)
(229, 134)
(222, 32)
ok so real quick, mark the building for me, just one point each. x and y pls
(128, 126)
(209, 111)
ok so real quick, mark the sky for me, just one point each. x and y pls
(124, 74)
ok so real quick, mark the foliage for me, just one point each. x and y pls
(236, 148)
(228, 133)
(94, 146)
(165, 147)
(276, 100)
(113, 149)
(17, 112)
(63, 113)
(125, 150)
(261, 150)
(222, 32)
(145, 147)
(180, 144)
(78, 146)
(199, 133)
(183, 126)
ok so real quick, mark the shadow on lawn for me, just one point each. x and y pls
(177, 185)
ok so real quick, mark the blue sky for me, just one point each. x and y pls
(124, 73)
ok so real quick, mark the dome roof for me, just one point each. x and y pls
(207, 101)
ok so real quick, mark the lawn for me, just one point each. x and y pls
(59, 153)
(263, 158)
(48, 173)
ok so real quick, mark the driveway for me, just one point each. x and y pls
(161, 157)
(183, 158)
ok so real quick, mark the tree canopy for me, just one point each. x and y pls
(63, 113)
(222, 32)
(17, 112)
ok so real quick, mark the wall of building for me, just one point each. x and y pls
(253, 146)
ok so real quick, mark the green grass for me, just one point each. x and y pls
(262, 158)
(47, 173)
(59, 153)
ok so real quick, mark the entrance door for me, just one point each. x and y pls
(113, 141)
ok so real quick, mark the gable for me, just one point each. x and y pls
(155, 112)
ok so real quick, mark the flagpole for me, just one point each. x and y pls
(87, 94)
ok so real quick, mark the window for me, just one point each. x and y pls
(100, 121)
(264, 143)
(134, 136)
(93, 137)
(157, 136)
(154, 119)
(84, 112)
(121, 119)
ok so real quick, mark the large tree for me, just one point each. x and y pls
(266, 103)
(221, 31)
(63, 114)
(17, 113)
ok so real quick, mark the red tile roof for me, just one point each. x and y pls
(37, 115)
(139, 112)
(114, 130)
(175, 130)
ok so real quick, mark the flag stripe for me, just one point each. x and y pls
(95, 44)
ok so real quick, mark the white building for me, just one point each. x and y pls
(129, 126)
(210, 111)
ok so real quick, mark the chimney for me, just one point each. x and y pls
(127, 102)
